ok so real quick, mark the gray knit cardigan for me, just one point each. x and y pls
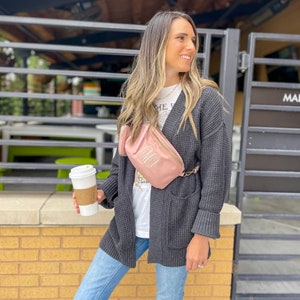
(187, 205)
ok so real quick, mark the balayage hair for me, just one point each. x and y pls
(148, 76)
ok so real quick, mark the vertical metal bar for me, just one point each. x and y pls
(228, 71)
(206, 52)
(25, 100)
(246, 110)
(240, 175)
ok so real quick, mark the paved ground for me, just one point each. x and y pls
(284, 246)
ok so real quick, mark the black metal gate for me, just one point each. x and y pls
(267, 247)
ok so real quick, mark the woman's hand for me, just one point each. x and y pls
(197, 252)
(100, 198)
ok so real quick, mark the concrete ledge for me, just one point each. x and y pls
(21, 208)
(230, 215)
(44, 209)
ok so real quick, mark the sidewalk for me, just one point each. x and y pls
(284, 246)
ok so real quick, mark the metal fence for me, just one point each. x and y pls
(226, 40)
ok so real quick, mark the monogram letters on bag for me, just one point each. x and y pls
(148, 156)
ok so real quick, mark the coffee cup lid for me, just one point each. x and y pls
(82, 171)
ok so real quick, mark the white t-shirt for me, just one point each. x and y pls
(141, 188)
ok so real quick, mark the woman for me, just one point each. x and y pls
(173, 224)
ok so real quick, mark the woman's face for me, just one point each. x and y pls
(180, 49)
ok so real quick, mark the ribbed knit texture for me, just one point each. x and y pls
(187, 205)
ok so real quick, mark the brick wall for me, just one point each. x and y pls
(49, 263)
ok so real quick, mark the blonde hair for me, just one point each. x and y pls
(148, 76)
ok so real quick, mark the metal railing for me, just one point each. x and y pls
(227, 41)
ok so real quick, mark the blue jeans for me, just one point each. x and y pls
(105, 273)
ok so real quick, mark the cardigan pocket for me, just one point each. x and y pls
(182, 212)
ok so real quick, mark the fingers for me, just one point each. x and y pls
(100, 196)
(191, 266)
(76, 203)
(195, 264)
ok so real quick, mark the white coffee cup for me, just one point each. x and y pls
(84, 183)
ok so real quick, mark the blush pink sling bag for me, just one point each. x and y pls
(153, 155)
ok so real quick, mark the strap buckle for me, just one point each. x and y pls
(188, 173)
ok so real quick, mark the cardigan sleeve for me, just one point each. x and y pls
(110, 186)
(215, 165)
